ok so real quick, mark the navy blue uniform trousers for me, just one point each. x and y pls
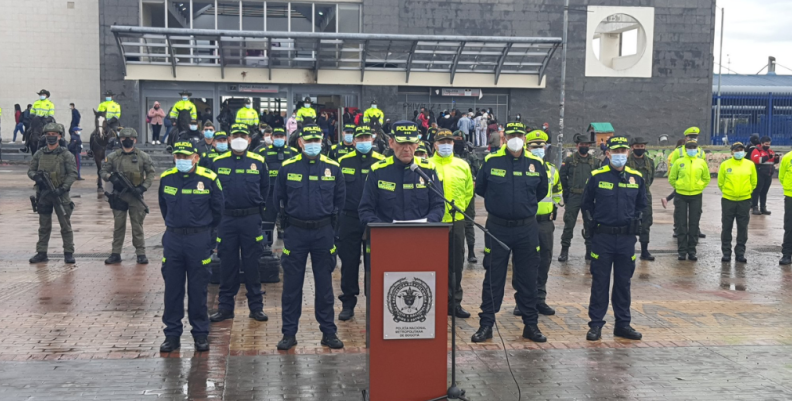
(298, 243)
(186, 256)
(524, 244)
(611, 252)
(240, 236)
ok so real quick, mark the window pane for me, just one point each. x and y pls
(276, 17)
(179, 14)
(301, 17)
(324, 18)
(349, 18)
(153, 14)
(203, 15)
(253, 16)
(228, 15)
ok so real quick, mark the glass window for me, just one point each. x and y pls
(349, 18)
(277, 17)
(324, 17)
(179, 14)
(253, 16)
(228, 15)
(301, 20)
(153, 14)
(203, 13)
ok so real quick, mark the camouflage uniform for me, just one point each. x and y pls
(575, 172)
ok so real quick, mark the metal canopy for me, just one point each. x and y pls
(361, 52)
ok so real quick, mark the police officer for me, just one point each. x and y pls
(247, 115)
(274, 156)
(43, 107)
(306, 114)
(111, 110)
(206, 146)
(637, 160)
(355, 166)
(737, 178)
(689, 176)
(219, 146)
(458, 186)
(575, 171)
(395, 192)
(245, 181)
(59, 163)
(192, 134)
(137, 167)
(311, 189)
(785, 177)
(512, 181)
(421, 152)
(612, 203)
(545, 214)
(184, 106)
(191, 202)
(373, 116)
(346, 146)
(691, 135)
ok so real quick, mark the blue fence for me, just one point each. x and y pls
(743, 114)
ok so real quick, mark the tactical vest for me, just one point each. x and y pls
(575, 186)
(53, 163)
(647, 170)
(132, 171)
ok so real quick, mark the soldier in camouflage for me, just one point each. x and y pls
(575, 172)
(638, 160)
(137, 167)
(60, 164)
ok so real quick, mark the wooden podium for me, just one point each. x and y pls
(407, 330)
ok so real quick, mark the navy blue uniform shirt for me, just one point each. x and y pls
(190, 200)
(245, 179)
(356, 167)
(614, 198)
(274, 157)
(310, 189)
(512, 186)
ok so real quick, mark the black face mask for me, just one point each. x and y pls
(583, 150)
(127, 142)
(639, 152)
(766, 147)
(51, 140)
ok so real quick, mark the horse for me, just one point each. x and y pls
(100, 137)
(35, 132)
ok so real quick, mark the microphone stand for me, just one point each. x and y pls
(454, 392)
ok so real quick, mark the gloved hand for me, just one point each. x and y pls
(39, 178)
(115, 180)
(60, 191)
(140, 189)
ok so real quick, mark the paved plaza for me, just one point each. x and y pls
(712, 330)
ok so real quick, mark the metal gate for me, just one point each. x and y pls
(743, 114)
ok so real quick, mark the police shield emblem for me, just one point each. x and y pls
(531, 168)
(421, 180)
(200, 186)
(632, 180)
(253, 166)
(328, 173)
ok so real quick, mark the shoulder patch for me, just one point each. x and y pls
(292, 160)
(601, 170)
(328, 160)
(377, 156)
(500, 152)
(255, 156)
(632, 171)
(347, 156)
(169, 172)
(222, 156)
(205, 172)
(382, 163)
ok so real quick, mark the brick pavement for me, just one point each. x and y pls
(711, 329)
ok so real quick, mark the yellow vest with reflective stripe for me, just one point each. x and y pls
(247, 116)
(111, 109)
(554, 191)
(43, 108)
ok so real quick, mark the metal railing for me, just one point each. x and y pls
(743, 114)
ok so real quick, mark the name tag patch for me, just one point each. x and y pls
(606, 185)
(498, 172)
(294, 177)
(224, 171)
(170, 190)
(348, 170)
(388, 186)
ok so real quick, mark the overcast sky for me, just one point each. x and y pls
(755, 29)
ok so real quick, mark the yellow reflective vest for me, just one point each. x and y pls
(184, 105)
(785, 173)
(457, 182)
(306, 112)
(737, 179)
(554, 191)
(375, 114)
(689, 175)
(111, 109)
(43, 108)
(247, 116)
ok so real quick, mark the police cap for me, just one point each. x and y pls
(692, 131)
(127, 133)
(536, 135)
(737, 145)
(220, 134)
(618, 142)
(239, 129)
(109, 93)
(405, 131)
(421, 148)
(444, 134)
(350, 127)
(53, 127)
(183, 148)
(44, 92)
(362, 131)
(459, 134)
(278, 131)
(185, 93)
(311, 131)
(515, 128)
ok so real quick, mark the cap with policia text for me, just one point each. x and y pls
(278, 131)
(444, 134)
(405, 131)
(350, 127)
(421, 148)
(311, 131)
(618, 142)
(184, 148)
(514, 128)
(239, 129)
(220, 134)
(362, 131)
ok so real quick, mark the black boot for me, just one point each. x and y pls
(755, 210)
(460, 312)
(741, 259)
(170, 344)
(627, 332)
(142, 260)
(594, 333)
(645, 255)
(287, 342)
(532, 332)
(484, 333)
(332, 341)
(564, 254)
(221, 315)
(39, 258)
(346, 314)
(68, 258)
(544, 309)
(114, 259)
(765, 211)
(201, 344)
(786, 260)
(259, 316)
(472, 257)
(517, 311)
(588, 254)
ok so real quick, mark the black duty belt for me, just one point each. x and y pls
(241, 212)
(576, 191)
(188, 230)
(612, 230)
(543, 217)
(309, 224)
(350, 213)
(510, 223)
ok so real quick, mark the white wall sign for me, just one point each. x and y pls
(619, 41)
(409, 305)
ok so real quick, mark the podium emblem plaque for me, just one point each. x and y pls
(409, 305)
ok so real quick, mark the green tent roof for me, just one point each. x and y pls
(601, 127)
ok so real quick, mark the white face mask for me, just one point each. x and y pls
(373, 106)
(42, 97)
(515, 144)
(307, 105)
(268, 140)
(185, 98)
(239, 144)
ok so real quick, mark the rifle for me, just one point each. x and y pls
(127, 187)
(47, 188)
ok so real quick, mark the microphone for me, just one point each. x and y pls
(414, 167)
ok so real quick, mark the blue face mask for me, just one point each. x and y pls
(692, 152)
(312, 149)
(184, 165)
(193, 127)
(42, 97)
(363, 147)
(208, 134)
(739, 155)
(445, 149)
(185, 98)
(278, 142)
(348, 138)
(539, 152)
(222, 147)
(107, 99)
(618, 160)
